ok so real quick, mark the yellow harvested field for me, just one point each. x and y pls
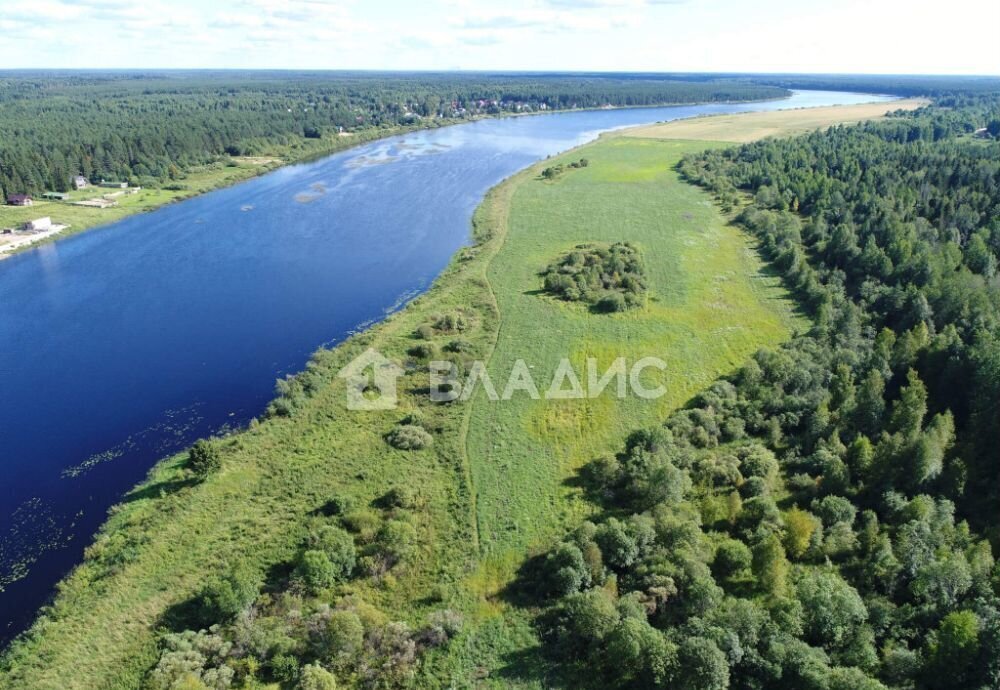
(744, 127)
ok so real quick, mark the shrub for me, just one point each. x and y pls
(316, 570)
(447, 621)
(421, 351)
(204, 459)
(337, 505)
(338, 546)
(285, 668)
(450, 323)
(343, 637)
(403, 497)
(612, 302)
(458, 346)
(227, 596)
(315, 677)
(409, 437)
(364, 522)
(395, 541)
(193, 660)
(567, 570)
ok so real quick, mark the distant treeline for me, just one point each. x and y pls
(150, 127)
(894, 84)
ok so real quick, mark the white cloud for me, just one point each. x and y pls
(656, 35)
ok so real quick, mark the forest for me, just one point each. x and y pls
(826, 517)
(147, 128)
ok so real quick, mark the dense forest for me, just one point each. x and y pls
(148, 128)
(827, 517)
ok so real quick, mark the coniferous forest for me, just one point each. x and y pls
(148, 128)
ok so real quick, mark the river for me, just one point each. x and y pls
(123, 344)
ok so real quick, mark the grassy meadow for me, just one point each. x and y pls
(497, 482)
(711, 305)
(746, 127)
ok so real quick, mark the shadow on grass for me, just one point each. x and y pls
(189, 614)
(529, 666)
(159, 489)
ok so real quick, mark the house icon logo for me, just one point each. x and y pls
(371, 381)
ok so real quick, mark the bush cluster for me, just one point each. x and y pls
(609, 278)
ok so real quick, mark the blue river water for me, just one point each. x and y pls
(122, 345)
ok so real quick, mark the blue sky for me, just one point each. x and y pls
(871, 36)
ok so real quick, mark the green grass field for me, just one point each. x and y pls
(711, 306)
(493, 483)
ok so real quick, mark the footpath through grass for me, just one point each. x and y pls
(497, 480)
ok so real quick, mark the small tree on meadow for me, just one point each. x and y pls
(204, 459)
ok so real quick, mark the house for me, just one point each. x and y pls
(80, 182)
(114, 185)
(55, 196)
(38, 225)
(981, 133)
(19, 200)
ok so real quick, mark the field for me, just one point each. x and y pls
(711, 305)
(746, 127)
(498, 482)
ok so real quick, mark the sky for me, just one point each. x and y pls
(846, 36)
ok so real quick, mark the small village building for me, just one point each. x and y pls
(38, 225)
(114, 185)
(19, 200)
(981, 133)
(80, 182)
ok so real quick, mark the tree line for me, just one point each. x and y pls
(150, 127)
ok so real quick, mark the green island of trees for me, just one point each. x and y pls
(609, 278)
